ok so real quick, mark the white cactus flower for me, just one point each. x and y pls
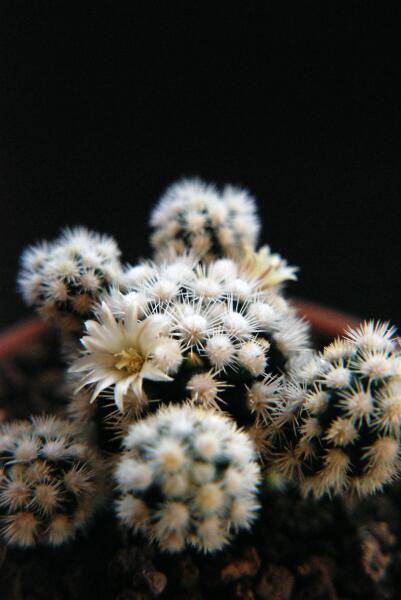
(124, 353)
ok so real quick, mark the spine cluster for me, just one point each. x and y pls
(187, 477)
(49, 482)
(339, 431)
(64, 278)
(192, 215)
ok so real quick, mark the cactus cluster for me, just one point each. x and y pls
(50, 484)
(339, 429)
(192, 374)
(185, 330)
(63, 279)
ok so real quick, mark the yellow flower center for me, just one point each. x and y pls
(130, 360)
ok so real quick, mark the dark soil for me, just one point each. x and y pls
(298, 550)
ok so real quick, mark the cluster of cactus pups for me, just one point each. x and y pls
(192, 379)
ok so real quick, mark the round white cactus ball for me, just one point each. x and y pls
(187, 477)
(193, 215)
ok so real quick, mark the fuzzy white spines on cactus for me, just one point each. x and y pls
(193, 215)
(187, 477)
(49, 482)
(187, 330)
(340, 430)
(64, 278)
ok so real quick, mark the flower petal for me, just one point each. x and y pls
(131, 320)
(91, 361)
(104, 340)
(102, 385)
(150, 371)
(108, 319)
(121, 390)
(136, 387)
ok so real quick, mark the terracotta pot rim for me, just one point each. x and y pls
(325, 320)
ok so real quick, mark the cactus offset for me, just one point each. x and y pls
(187, 477)
(339, 430)
(50, 484)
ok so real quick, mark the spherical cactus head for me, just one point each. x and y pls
(193, 215)
(183, 329)
(187, 477)
(339, 431)
(50, 483)
(64, 278)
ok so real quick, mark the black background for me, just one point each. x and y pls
(298, 102)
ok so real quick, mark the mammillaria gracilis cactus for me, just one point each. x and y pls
(64, 278)
(184, 330)
(50, 482)
(187, 476)
(200, 371)
(192, 215)
(340, 430)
